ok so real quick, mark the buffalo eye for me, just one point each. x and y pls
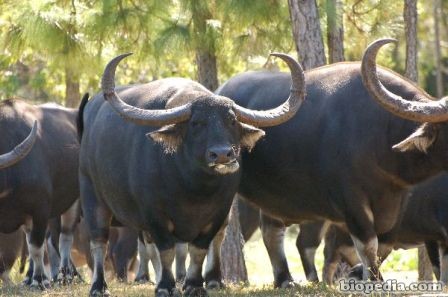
(197, 124)
(233, 122)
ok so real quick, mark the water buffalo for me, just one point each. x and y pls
(176, 182)
(424, 222)
(43, 184)
(12, 244)
(343, 157)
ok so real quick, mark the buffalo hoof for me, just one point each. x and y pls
(356, 272)
(163, 293)
(65, 276)
(166, 293)
(214, 285)
(191, 291)
(97, 293)
(99, 289)
(42, 284)
(143, 279)
(287, 284)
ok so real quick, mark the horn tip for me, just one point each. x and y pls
(280, 55)
(383, 41)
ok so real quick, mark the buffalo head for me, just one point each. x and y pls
(433, 133)
(210, 129)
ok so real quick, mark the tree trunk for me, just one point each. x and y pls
(424, 265)
(410, 28)
(335, 31)
(437, 8)
(411, 72)
(207, 71)
(72, 94)
(306, 33)
(233, 266)
(205, 48)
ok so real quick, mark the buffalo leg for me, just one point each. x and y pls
(53, 257)
(35, 237)
(148, 252)
(367, 251)
(432, 249)
(181, 258)
(29, 273)
(69, 220)
(166, 285)
(360, 223)
(124, 251)
(213, 277)
(194, 282)
(98, 218)
(308, 240)
(143, 271)
(338, 247)
(154, 257)
(273, 232)
(332, 257)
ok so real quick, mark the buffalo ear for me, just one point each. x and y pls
(420, 140)
(169, 136)
(250, 135)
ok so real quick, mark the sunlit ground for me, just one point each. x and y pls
(400, 265)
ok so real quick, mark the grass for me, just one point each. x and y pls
(132, 290)
(400, 265)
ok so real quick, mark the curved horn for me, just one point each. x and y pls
(157, 117)
(282, 113)
(432, 111)
(20, 151)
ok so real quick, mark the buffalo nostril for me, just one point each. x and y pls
(220, 154)
(212, 156)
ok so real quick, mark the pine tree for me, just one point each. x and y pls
(307, 33)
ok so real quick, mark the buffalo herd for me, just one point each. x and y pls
(354, 153)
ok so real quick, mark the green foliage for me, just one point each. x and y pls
(55, 37)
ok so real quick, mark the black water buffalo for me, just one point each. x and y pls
(43, 184)
(176, 182)
(12, 244)
(343, 157)
(425, 221)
